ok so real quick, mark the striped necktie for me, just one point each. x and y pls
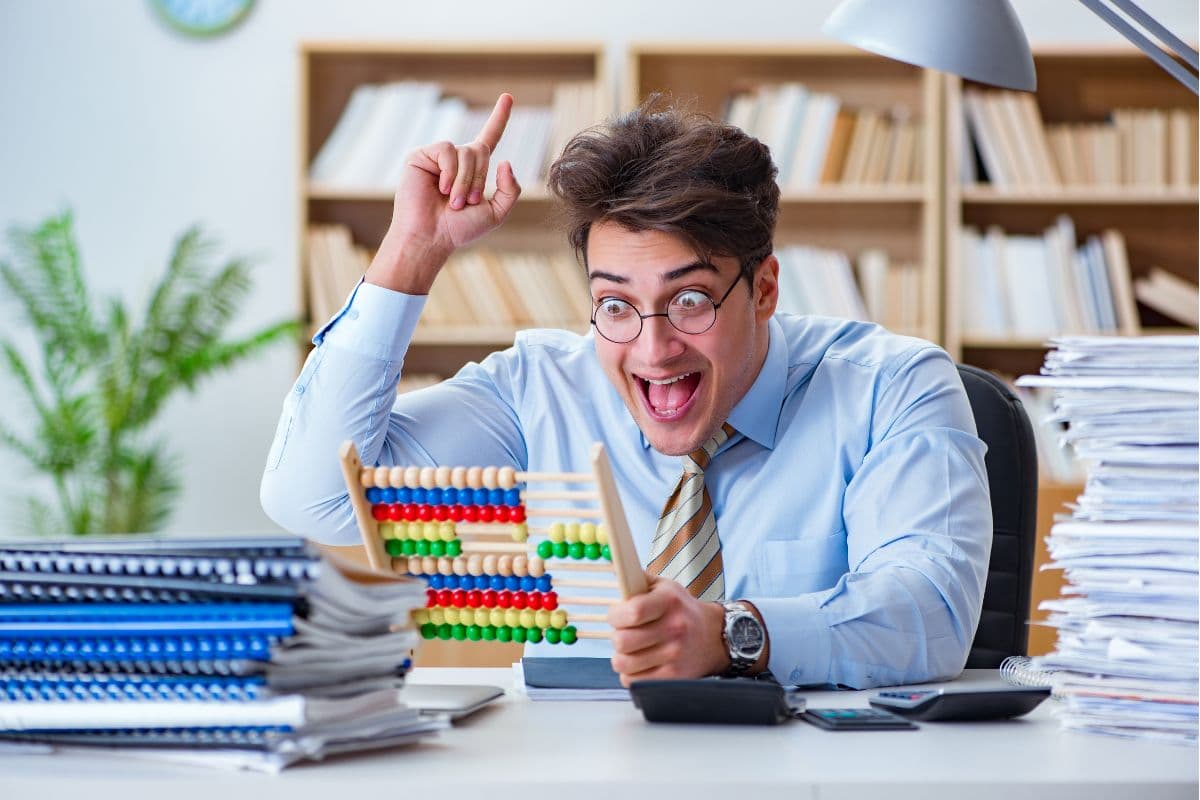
(686, 547)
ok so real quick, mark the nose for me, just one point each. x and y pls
(659, 341)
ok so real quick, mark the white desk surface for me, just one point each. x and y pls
(553, 749)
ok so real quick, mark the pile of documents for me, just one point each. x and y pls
(1126, 660)
(241, 652)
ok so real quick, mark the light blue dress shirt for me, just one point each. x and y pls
(853, 508)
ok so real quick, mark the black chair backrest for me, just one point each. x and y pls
(1012, 482)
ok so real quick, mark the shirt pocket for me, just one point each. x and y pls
(794, 566)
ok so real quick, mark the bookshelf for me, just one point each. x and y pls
(330, 73)
(901, 218)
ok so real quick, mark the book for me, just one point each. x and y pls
(1169, 295)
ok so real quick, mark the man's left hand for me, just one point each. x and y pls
(667, 633)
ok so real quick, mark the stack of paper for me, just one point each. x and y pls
(250, 652)
(1126, 660)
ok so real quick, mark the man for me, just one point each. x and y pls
(826, 511)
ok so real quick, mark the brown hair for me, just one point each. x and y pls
(667, 168)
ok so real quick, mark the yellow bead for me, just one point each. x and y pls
(420, 616)
(527, 618)
(558, 618)
(396, 477)
(437, 616)
(587, 533)
(520, 532)
(387, 531)
(601, 534)
(446, 531)
(452, 616)
(572, 532)
(512, 617)
(466, 616)
(496, 617)
(430, 531)
(541, 618)
(557, 532)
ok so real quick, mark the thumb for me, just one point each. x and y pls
(507, 191)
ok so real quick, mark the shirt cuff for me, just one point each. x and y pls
(375, 322)
(799, 638)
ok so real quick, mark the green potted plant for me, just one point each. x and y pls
(98, 374)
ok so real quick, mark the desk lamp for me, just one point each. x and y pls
(982, 40)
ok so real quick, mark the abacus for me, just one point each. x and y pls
(481, 540)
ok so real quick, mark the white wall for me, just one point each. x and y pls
(142, 132)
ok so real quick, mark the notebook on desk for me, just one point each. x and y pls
(569, 679)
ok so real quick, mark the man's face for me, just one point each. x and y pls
(679, 387)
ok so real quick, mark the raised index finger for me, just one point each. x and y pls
(493, 129)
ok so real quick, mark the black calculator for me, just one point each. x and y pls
(856, 719)
(947, 705)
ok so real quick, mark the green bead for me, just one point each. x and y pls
(569, 635)
(429, 631)
(437, 548)
(459, 632)
(545, 548)
(518, 634)
(489, 633)
(553, 635)
(560, 549)
(591, 551)
(394, 547)
(533, 635)
(606, 552)
(504, 633)
(408, 547)
(422, 548)
(444, 631)
(575, 550)
(454, 548)
(474, 633)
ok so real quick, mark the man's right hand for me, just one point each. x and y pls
(440, 206)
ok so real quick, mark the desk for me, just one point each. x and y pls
(605, 750)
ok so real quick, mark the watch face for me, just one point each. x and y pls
(746, 635)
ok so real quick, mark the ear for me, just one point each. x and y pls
(766, 288)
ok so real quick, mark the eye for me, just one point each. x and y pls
(690, 300)
(613, 308)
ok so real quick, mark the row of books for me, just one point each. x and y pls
(383, 123)
(1029, 287)
(824, 282)
(1146, 148)
(816, 139)
(248, 652)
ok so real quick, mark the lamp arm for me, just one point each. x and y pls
(1160, 32)
(1153, 51)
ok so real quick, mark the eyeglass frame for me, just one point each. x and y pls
(643, 317)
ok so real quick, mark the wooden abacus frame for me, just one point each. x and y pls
(630, 577)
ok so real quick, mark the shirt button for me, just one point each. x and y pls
(299, 390)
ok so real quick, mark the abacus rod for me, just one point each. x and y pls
(585, 584)
(583, 513)
(537, 495)
(587, 618)
(559, 477)
(593, 635)
(586, 601)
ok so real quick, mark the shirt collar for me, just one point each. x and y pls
(756, 416)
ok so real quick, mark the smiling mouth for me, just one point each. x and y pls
(670, 397)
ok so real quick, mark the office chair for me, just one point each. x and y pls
(1011, 463)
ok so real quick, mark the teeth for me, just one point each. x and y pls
(668, 380)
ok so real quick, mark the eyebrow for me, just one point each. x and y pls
(666, 277)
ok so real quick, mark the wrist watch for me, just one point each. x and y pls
(744, 638)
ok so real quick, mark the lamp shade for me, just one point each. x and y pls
(978, 39)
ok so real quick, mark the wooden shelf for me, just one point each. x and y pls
(1091, 196)
(537, 194)
(1043, 344)
(857, 194)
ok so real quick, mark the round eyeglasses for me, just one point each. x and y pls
(691, 311)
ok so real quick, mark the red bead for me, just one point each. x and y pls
(441, 513)
(459, 598)
(430, 598)
(550, 601)
(410, 512)
(520, 600)
(505, 599)
(443, 597)
(456, 513)
(502, 513)
(474, 598)
(516, 514)
(487, 513)
(426, 513)
(471, 513)
(395, 512)
(379, 511)
(535, 600)
(489, 599)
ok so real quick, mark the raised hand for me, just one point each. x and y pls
(440, 206)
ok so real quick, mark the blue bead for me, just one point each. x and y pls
(373, 495)
(512, 583)
(451, 581)
(528, 583)
(481, 582)
(480, 497)
(436, 582)
(512, 497)
(544, 583)
(434, 498)
(387, 495)
(418, 496)
(450, 496)
(404, 495)
(496, 583)
(496, 496)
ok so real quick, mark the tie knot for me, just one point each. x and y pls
(697, 460)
